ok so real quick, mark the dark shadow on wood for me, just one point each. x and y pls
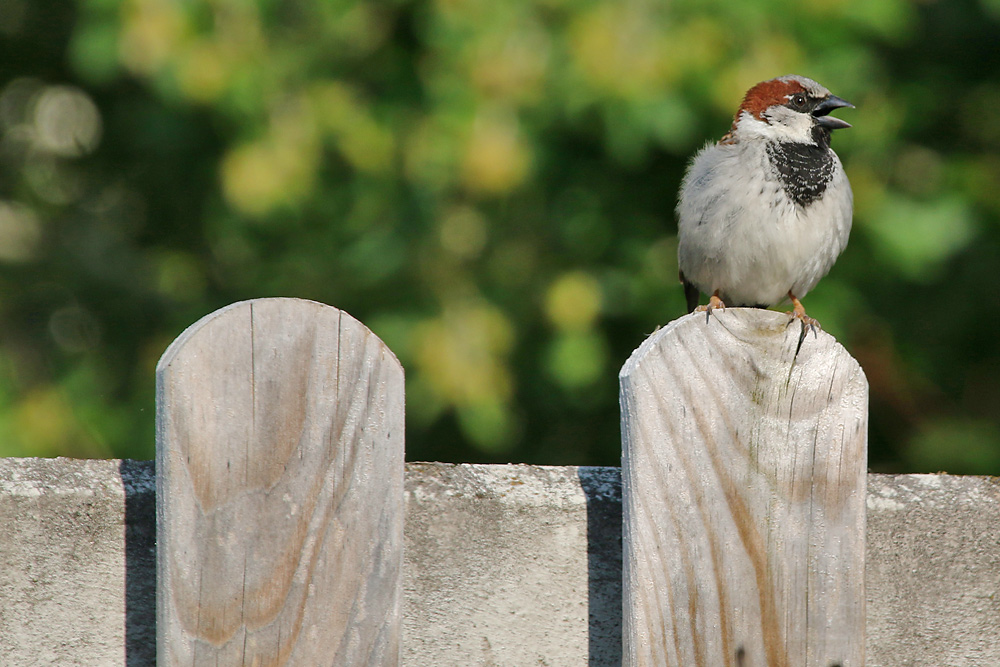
(602, 488)
(139, 481)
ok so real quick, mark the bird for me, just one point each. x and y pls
(764, 213)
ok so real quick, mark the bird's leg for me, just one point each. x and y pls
(799, 312)
(713, 302)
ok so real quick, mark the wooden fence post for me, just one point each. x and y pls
(743, 474)
(279, 468)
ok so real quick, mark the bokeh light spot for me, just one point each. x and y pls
(463, 231)
(496, 157)
(20, 232)
(573, 301)
(67, 121)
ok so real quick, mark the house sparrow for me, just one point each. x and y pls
(764, 213)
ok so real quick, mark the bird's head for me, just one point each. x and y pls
(789, 108)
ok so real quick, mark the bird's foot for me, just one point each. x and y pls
(808, 323)
(799, 313)
(713, 302)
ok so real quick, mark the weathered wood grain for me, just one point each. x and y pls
(743, 473)
(279, 461)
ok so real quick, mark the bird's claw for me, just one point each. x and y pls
(713, 302)
(812, 323)
(799, 313)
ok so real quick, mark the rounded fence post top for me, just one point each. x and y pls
(292, 307)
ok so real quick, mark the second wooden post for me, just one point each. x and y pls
(743, 471)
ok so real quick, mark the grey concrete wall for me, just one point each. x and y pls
(505, 566)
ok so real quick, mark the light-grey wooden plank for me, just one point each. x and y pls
(279, 490)
(743, 475)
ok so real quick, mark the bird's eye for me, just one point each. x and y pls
(799, 100)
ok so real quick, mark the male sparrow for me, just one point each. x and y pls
(764, 213)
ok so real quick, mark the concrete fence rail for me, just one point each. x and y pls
(503, 565)
(281, 526)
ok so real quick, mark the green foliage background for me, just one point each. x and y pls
(488, 185)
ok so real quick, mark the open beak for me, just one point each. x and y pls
(822, 110)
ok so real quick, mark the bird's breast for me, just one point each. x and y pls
(804, 170)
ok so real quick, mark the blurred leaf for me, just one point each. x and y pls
(577, 359)
(956, 446)
(488, 424)
(94, 50)
(917, 237)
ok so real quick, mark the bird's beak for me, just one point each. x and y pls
(821, 111)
